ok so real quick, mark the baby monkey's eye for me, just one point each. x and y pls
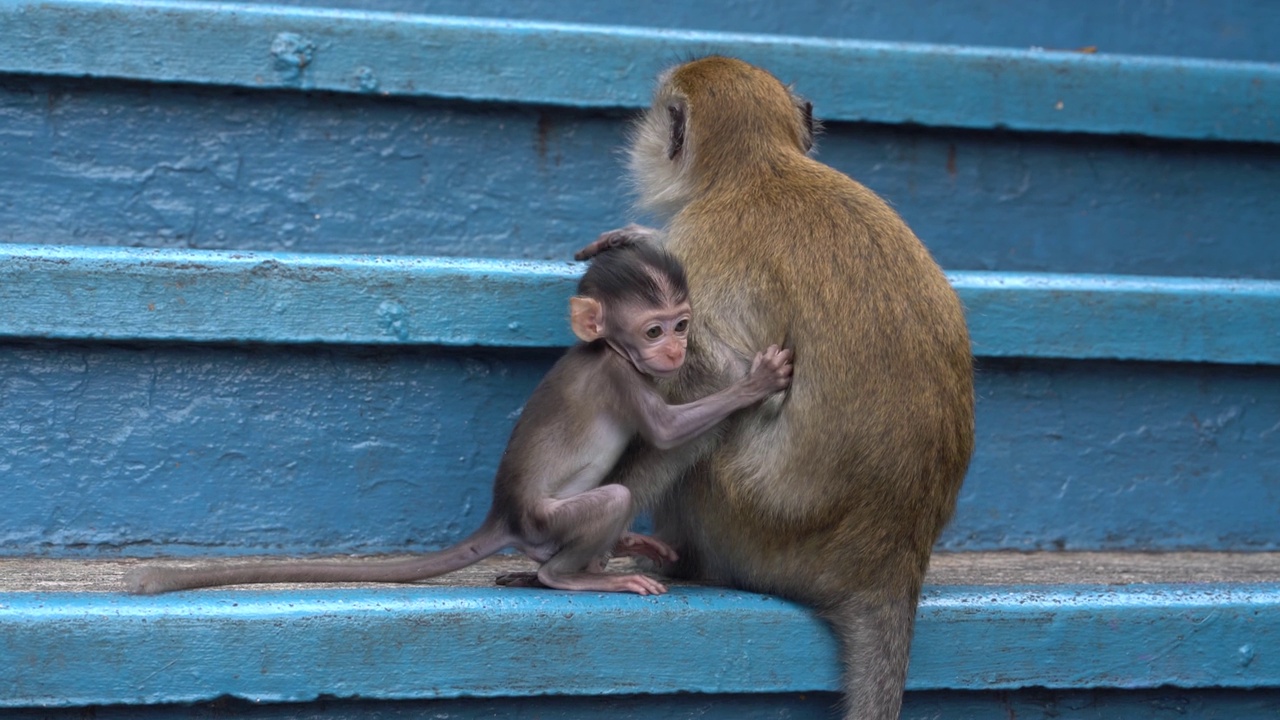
(682, 325)
(654, 332)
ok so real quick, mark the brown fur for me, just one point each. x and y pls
(836, 495)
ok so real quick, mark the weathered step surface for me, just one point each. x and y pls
(278, 403)
(287, 402)
(381, 53)
(1066, 621)
(120, 130)
(102, 575)
(166, 295)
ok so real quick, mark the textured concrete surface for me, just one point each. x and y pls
(1001, 568)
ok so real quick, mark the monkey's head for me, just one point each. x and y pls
(636, 299)
(711, 118)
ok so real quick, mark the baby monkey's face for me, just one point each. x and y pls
(656, 338)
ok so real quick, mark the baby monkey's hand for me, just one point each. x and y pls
(770, 372)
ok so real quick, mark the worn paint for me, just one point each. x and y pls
(1122, 455)
(68, 292)
(305, 449)
(111, 163)
(399, 643)
(248, 447)
(1228, 29)
(541, 63)
(1071, 316)
(209, 296)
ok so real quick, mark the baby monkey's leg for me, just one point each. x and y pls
(589, 526)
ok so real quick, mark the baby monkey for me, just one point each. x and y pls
(632, 314)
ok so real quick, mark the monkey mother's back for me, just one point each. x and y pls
(883, 361)
(853, 275)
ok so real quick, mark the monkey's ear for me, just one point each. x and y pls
(809, 128)
(676, 116)
(806, 110)
(586, 317)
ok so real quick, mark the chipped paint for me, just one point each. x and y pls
(293, 54)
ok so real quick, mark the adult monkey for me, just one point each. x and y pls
(835, 494)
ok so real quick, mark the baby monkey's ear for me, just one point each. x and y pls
(586, 317)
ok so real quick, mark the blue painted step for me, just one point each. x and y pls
(95, 646)
(208, 296)
(381, 53)
(163, 161)
(374, 401)
(1232, 29)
